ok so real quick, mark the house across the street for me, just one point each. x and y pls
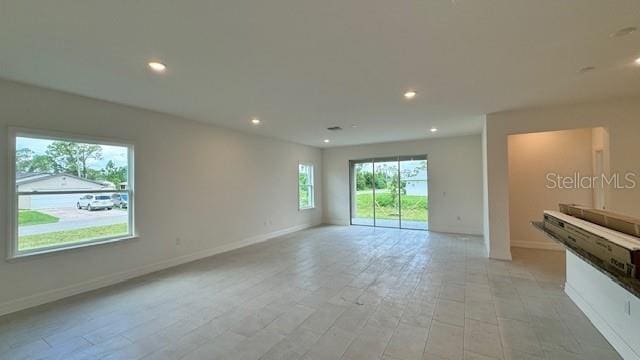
(54, 182)
(417, 184)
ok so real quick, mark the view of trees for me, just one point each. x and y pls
(305, 183)
(364, 180)
(387, 179)
(386, 176)
(70, 158)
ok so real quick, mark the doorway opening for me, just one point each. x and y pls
(390, 192)
(539, 165)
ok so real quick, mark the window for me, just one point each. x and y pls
(305, 187)
(68, 192)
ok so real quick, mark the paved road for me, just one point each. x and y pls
(76, 219)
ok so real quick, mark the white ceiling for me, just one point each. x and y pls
(301, 66)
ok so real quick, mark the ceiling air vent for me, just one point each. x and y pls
(334, 128)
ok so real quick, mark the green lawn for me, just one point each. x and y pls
(31, 217)
(413, 208)
(78, 235)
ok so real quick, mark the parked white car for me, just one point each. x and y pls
(120, 200)
(95, 202)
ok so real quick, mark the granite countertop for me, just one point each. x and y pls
(628, 283)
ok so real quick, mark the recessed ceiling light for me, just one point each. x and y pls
(157, 66)
(637, 61)
(624, 31)
(586, 69)
(433, 129)
(354, 126)
(410, 94)
(255, 121)
(326, 141)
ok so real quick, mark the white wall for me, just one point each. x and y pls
(486, 219)
(621, 119)
(600, 142)
(214, 188)
(455, 180)
(531, 158)
(605, 303)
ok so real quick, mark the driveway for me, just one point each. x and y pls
(72, 214)
(72, 218)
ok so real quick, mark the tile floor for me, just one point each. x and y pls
(324, 293)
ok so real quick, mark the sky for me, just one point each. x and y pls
(411, 169)
(117, 154)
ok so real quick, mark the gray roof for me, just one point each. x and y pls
(23, 175)
(27, 178)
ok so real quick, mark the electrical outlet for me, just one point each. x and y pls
(178, 241)
(627, 307)
(459, 218)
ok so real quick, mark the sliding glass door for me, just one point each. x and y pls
(362, 194)
(386, 200)
(414, 193)
(390, 192)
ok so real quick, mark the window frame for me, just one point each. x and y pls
(311, 186)
(13, 251)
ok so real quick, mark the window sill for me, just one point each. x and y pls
(307, 208)
(38, 253)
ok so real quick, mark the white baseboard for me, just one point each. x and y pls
(341, 222)
(111, 279)
(461, 230)
(542, 245)
(601, 324)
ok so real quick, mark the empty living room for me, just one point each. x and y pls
(328, 180)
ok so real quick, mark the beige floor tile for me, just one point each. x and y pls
(354, 318)
(484, 311)
(418, 314)
(446, 341)
(291, 319)
(280, 298)
(256, 346)
(323, 318)
(428, 356)
(468, 355)
(482, 338)
(449, 312)
(255, 322)
(332, 345)
(293, 346)
(218, 348)
(179, 347)
(511, 309)
(553, 334)
(510, 354)
(519, 336)
(475, 292)
(453, 293)
(369, 344)
(407, 342)
(387, 315)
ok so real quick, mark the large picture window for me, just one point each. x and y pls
(305, 187)
(69, 192)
